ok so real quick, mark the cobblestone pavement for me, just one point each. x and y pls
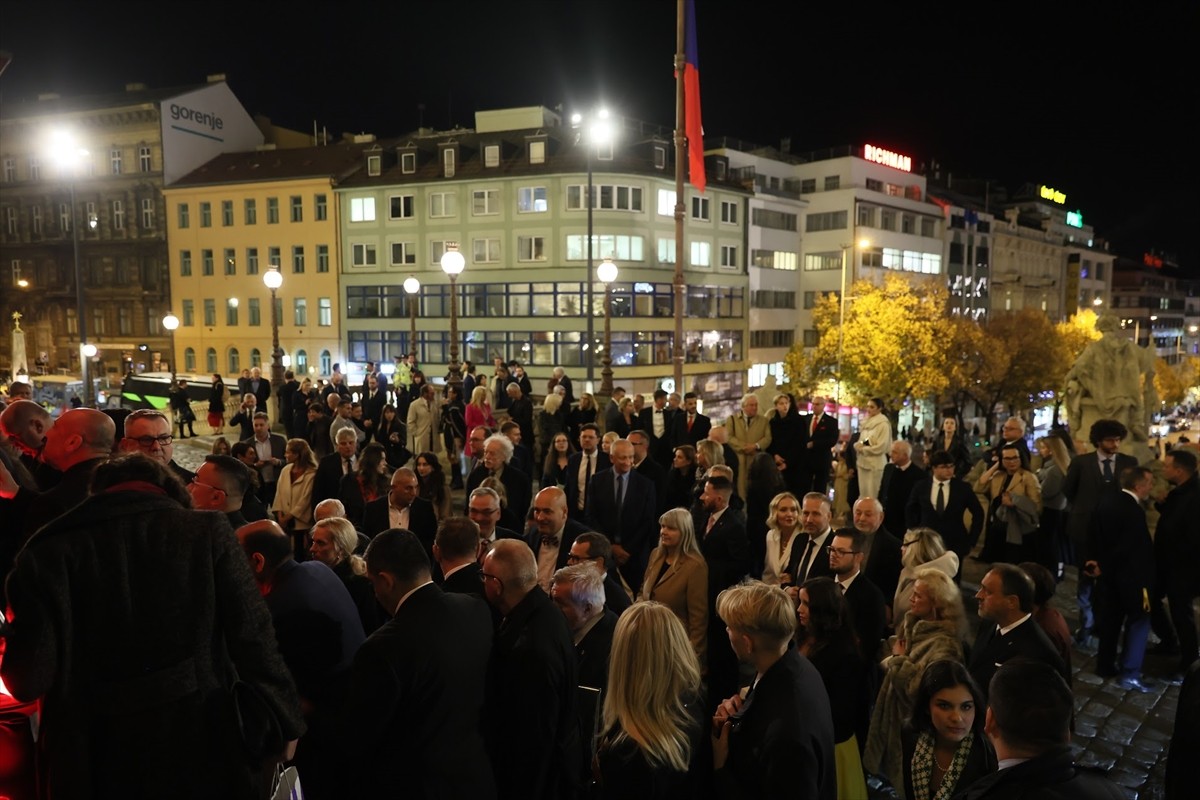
(1123, 732)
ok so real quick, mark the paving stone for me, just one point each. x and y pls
(1100, 761)
(1088, 678)
(1126, 778)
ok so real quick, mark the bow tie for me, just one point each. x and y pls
(550, 540)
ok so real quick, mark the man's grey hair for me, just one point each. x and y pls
(346, 434)
(1020, 423)
(505, 444)
(878, 505)
(485, 491)
(903, 445)
(329, 508)
(587, 587)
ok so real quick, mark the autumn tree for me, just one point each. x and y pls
(1168, 381)
(1074, 335)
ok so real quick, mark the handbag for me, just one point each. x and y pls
(257, 726)
(286, 785)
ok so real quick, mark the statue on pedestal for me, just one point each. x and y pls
(20, 363)
(1113, 379)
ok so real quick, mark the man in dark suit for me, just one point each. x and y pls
(260, 387)
(1177, 550)
(373, 401)
(403, 508)
(623, 506)
(645, 465)
(552, 534)
(940, 503)
(726, 550)
(332, 468)
(1007, 629)
(595, 548)
(497, 458)
(689, 426)
(578, 591)
(533, 680)
(148, 432)
(456, 550)
(1012, 434)
(317, 435)
(270, 448)
(778, 742)
(811, 560)
(221, 484)
(821, 434)
(867, 606)
(581, 467)
(287, 399)
(520, 410)
(881, 549)
(483, 507)
(1089, 477)
(1121, 559)
(563, 380)
(522, 457)
(415, 705)
(899, 477)
(656, 420)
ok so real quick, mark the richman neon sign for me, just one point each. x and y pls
(887, 158)
(1054, 195)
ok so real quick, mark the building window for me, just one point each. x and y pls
(320, 207)
(808, 185)
(700, 208)
(210, 360)
(118, 215)
(206, 215)
(272, 258)
(300, 312)
(928, 228)
(818, 262)
(10, 221)
(189, 360)
(145, 163)
(298, 259)
(251, 260)
(437, 249)
(729, 259)
(210, 312)
(827, 221)
(35, 169)
(64, 217)
(206, 262)
(297, 208)
(531, 248)
(362, 209)
(253, 313)
(300, 363)
(887, 219)
(114, 158)
(448, 160)
(660, 157)
(537, 152)
(374, 165)
(124, 321)
(16, 271)
(832, 182)
(701, 254)
(362, 255)
(322, 258)
(777, 220)
(400, 206)
(227, 213)
(35, 220)
(231, 312)
(729, 212)
(326, 362)
(872, 258)
(185, 263)
(93, 219)
(908, 223)
(666, 202)
(10, 170)
(324, 312)
(666, 251)
(485, 202)
(866, 216)
(619, 247)
(251, 207)
(874, 185)
(230, 260)
(235, 361)
(147, 213)
(810, 300)
(255, 357)
(773, 259)
(491, 155)
(531, 200)
(182, 208)
(608, 197)
(486, 251)
(443, 204)
(408, 163)
(811, 337)
(272, 210)
(772, 338)
(73, 322)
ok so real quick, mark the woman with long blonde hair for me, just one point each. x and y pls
(652, 723)
(677, 576)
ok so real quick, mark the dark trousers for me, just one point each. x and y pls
(1110, 616)
(1179, 598)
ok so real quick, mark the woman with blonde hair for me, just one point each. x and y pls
(652, 709)
(550, 422)
(1050, 541)
(783, 523)
(332, 542)
(607, 440)
(920, 548)
(479, 411)
(677, 577)
(932, 630)
(293, 506)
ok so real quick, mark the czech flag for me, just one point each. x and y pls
(691, 99)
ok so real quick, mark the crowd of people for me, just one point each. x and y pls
(641, 603)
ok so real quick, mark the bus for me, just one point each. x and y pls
(59, 393)
(151, 389)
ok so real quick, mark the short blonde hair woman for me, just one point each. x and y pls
(677, 576)
(920, 548)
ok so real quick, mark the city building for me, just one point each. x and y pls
(1152, 300)
(81, 197)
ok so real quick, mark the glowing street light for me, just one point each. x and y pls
(171, 322)
(69, 155)
(452, 264)
(273, 278)
(607, 273)
(412, 286)
(596, 128)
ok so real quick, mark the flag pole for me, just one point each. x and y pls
(680, 158)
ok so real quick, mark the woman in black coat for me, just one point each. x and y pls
(216, 404)
(392, 434)
(787, 442)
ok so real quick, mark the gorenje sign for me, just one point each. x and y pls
(204, 119)
(886, 157)
(199, 125)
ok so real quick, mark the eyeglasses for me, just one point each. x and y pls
(205, 485)
(843, 553)
(487, 577)
(573, 559)
(148, 441)
(483, 512)
(908, 543)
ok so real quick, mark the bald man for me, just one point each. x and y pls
(25, 424)
(552, 534)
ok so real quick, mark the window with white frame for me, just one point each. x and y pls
(666, 251)
(64, 217)
(229, 259)
(729, 212)
(253, 312)
(35, 220)
(206, 262)
(227, 213)
(607, 197)
(251, 260)
(374, 165)
(298, 259)
(251, 207)
(729, 259)
(324, 312)
(700, 208)
(231, 313)
(866, 216)
(666, 202)
(35, 168)
(10, 221)
(93, 219)
(185, 263)
(10, 170)
(362, 209)
(531, 248)
(532, 200)
(16, 271)
(296, 207)
(300, 312)
(272, 210)
(485, 202)
(485, 250)
(272, 257)
(443, 204)
(403, 253)
(320, 207)
(147, 213)
(408, 163)
(448, 161)
(701, 254)
(184, 216)
(400, 206)
(832, 182)
(607, 245)
(491, 155)
(362, 255)
(908, 223)
(322, 258)
(118, 215)
(437, 249)
(660, 157)
(537, 152)
(145, 162)
(206, 215)
(210, 312)
(114, 160)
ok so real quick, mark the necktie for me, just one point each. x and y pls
(691, 419)
(1108, 475)
(550, 540)
(815, 418)
(712, 521)
(620, 493)
(587, 480)
(803, 571)
(346, 466)
(941, 500)
(842, 586)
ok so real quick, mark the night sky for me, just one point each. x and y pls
(1089, 101)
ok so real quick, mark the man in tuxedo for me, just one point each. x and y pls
(940, 502)
(497, 453)
(1007, 629)
(622, 505)
(1177, 550)
(270, 448)
(644, 464)
(403, 508)
(812, 559)
(483, 508)
(881, 550)
(1121, 560)
(865, 601)
(552, 534)
(899, 478)
(532, 680)
(333, 467)
(689, 426)
(431, 733)
(726, 550)
(595, 548)
(373, 401)
(455, 548)
(821, 435)
(656, 420)
(612, 414)
(581, 467)
(1090, 477)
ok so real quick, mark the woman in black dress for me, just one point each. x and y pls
(950, 440)
(682, 477)
(216, 404)
(787, 443)
(554, 467)
(392, 434)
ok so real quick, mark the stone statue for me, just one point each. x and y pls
(1113, 379)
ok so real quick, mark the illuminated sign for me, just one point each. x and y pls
(1151, 260)
(1075, 219)
(887, 158)
(1053, 195)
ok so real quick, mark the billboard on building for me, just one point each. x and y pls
(200, 125)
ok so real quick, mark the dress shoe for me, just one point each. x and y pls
(1135, 685)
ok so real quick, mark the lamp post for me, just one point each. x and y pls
(846, 250)
(68, 154)
(607, 273)
(452, 264)
(273, 278)
(412, 286)
(171, 322)
(598, 131)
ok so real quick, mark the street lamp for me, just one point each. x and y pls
(599, 131)
(607, 273)
(412, 286)
(69, 155)
(452, 264)
(171, 322)
(273, 278)
(862, 244)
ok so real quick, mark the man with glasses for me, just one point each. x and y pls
(220, 485)
(865, 601)
(881, 550)
(595, 547)
(483, 508)
(148, 431)
(940, 502)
